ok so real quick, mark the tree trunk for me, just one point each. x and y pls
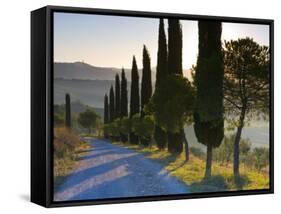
(236, 144)
(208, 170)
(186, 146)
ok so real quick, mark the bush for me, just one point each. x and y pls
(65, 142)
(261, 158)
(224, 154)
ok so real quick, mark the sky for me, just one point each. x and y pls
(111, 41)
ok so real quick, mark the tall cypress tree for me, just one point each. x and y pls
(160, 135)
(117, 97)
(67, 111)
(111, 105)
(174, 47)
(135, 97)
(208, 113)
(146, 86)
(175, 140)
(124, 100)
(106, 113)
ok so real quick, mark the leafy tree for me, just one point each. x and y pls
(246, 85)
(173, 113)
(146, 88)
(117, 97)
(208, 112)
(106, 113)
(135, 98)
(67, 111)
(125, 126)
(175, 139)
(160, 135)
(111, 105)
(124, 102)
(143, 126)
(88, 119)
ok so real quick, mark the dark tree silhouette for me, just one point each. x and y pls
(174, 47)
(106, 114)
(246, 86)
(135, 98)
(146, 88)
(67, 111)
(208, 113)
(160, 135)
(175, 140)
(117, 97)
(111, 105)
(124, 101)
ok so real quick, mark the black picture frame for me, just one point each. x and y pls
(42, 101)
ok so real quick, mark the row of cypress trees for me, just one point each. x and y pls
(208, 81)
(117, 107)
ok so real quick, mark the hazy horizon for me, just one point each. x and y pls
(111, 41)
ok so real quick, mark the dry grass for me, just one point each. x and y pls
(192, 172)
(67, 149)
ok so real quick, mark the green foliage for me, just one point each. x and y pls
(257, 159)
(143, 127)
(113, 129)
(117, 97)
(125, 126)
(224, 153)
(111, 105)
(135, 97)
(146, 85)
(246, 81)
(124, 95)
(89, 119)
(174, 46)
(162, 55)
(106, 112)
(171, 114)
(208, 113)
(67, 111)
(160, 136)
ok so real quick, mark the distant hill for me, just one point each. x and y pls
(89, 92)
(84, 71)
(77, 107)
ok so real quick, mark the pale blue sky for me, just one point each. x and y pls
(111, 41)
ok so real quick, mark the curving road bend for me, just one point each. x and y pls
(110, 171)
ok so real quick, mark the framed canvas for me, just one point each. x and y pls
(131, 106)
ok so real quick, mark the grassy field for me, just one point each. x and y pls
(192, 172)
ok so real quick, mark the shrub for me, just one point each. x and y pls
(65, 142)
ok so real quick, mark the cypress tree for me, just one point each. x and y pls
(67, 111)
(160, 135)
(117, 97)
(146, 87)
(106, 113)
(124, 100)
(174, 47)
(208, 113)
(135, 97)
(175, 140)
(111, 105)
